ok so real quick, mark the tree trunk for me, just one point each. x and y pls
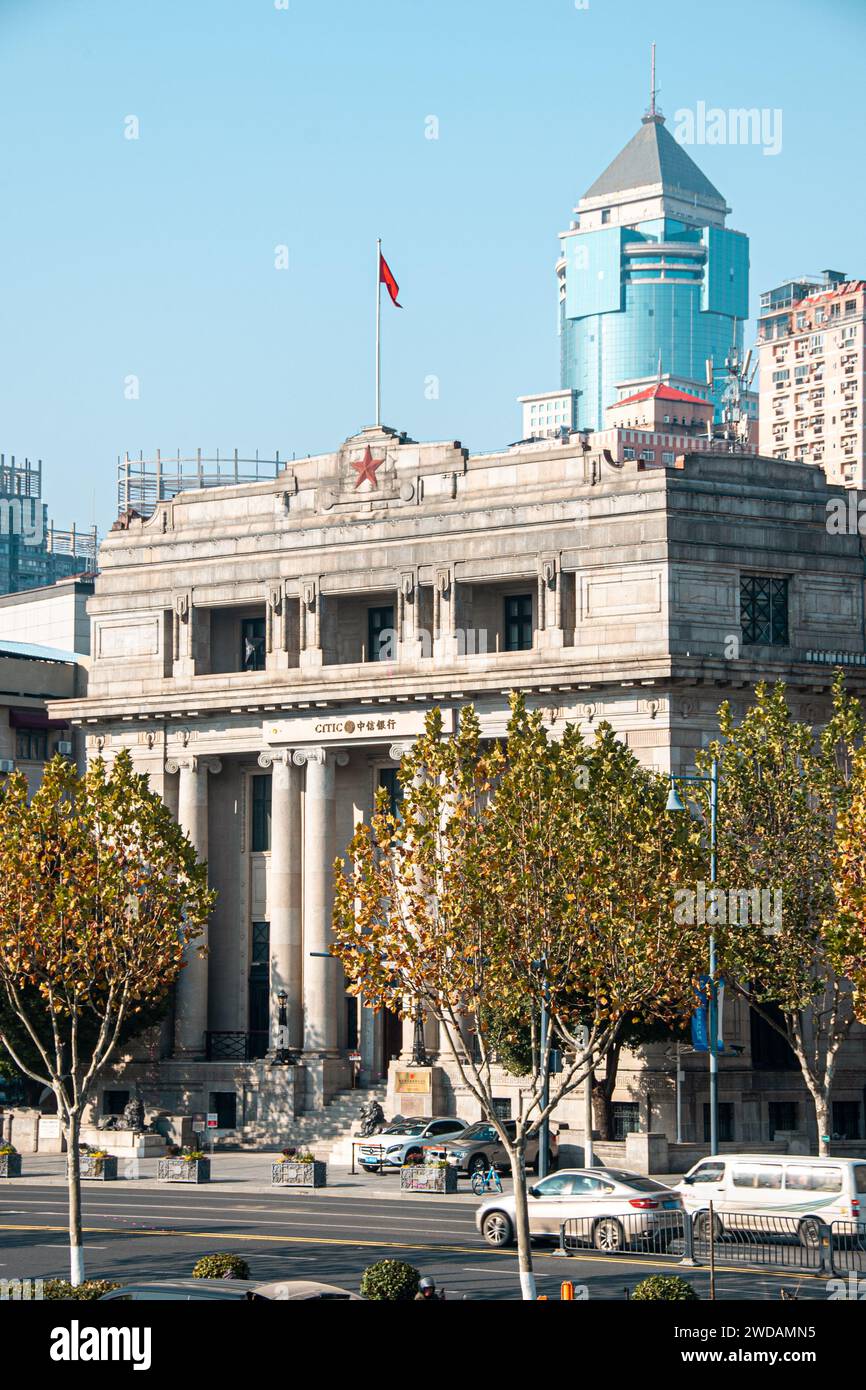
(76, 1247)
(822, 1116)
(521, 1226)
(602, 1092)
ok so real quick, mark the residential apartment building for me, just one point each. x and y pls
(812, 380)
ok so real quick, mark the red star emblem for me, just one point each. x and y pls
(366, 468)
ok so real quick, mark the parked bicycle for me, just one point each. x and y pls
(486, 1180)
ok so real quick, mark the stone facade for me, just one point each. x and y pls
(235, 637)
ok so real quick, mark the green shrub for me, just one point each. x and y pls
(221, 1266)
(87, 1291)
(666, 1286)
(390, 1281)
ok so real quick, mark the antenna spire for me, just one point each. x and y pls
(653, 112)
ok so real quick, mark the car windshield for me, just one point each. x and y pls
(410, 1127)
(480, 1131)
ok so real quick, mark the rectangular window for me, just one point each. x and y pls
(813, 1178)
(114, 1102)
(626, 1118)
(380, 633)
(784, 1115)
(726, 1123)
(389, 780)
(260, 829)
(31, 746)
(252, 644)
(225, 1103)
(846, 1119)
(502, 1107)
(766, 1176)
(259, 990)
(764, 610)
(518, 623)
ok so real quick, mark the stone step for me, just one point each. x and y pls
(326, 1132)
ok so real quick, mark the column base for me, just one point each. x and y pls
(324, 1075)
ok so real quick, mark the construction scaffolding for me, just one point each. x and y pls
(143, 483)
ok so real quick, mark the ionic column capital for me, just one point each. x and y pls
(269, 756)
(302, 757)
(189, 762)
(398, 751)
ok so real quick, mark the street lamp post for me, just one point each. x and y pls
(419, 1046)
(674, 803)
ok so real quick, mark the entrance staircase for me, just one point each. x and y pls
(327, 1133)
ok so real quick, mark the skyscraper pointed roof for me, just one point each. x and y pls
(652, 158)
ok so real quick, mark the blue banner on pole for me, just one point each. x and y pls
(701, 1016)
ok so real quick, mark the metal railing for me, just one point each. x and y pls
(655, 1232)
(143, 483)
(738, 1238)
(848, 1247)
(235, 1047)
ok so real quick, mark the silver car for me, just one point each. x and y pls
(605, 1207)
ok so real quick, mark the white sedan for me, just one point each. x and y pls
(605, 1207)
(405, 1140)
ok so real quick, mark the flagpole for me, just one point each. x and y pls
(378, 319)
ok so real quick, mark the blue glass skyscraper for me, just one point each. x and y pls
(650, 278)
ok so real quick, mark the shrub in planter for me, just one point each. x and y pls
(223, 1265)
(299, 1169)
(390, 1281)
(189, 1166)
(666, 1286)
(96, 1163)
(87, 1291)
(10, 1161)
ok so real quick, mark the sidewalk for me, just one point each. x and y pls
(228, 1171)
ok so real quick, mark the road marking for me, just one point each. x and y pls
(356, 1244)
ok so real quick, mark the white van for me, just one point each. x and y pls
(776, 1193)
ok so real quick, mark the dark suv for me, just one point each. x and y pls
(479, 1146)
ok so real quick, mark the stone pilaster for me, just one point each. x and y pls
(310, 616)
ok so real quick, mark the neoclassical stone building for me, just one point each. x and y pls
(267, 650)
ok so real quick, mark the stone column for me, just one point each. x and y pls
(284, 891)
(192, 815)
(320, 972)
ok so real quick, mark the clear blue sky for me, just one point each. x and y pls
(306, 127)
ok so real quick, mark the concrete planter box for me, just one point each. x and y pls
(10, 1165)
(183, 1170)
(425, 1177)
(294, 1174)
(98, 1169)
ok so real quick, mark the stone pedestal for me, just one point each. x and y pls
(415, 1090)
(647, 1153)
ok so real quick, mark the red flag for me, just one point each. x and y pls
(387, 279)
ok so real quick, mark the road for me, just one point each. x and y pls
(135, 1231)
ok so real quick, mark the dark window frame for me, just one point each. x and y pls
(253, 653)
(260, 812)
(380, 618)
(764, 610)
(517, 623)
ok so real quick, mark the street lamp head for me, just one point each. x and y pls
(282, 997)
(674, 801)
